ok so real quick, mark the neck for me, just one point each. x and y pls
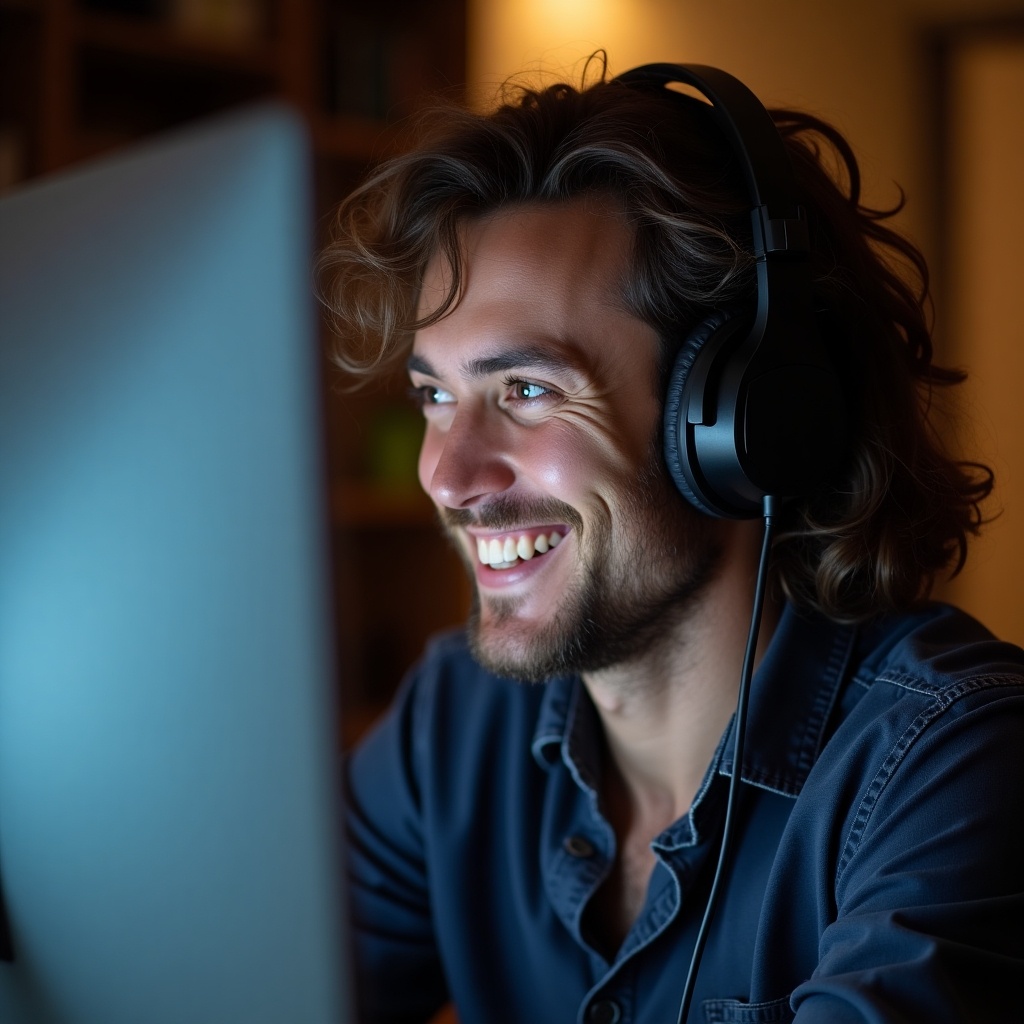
(664, 713)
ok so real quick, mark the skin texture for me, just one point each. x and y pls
(539, 392)
(542, 416)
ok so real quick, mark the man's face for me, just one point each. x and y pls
(540, 452)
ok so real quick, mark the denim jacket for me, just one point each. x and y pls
(876, 876)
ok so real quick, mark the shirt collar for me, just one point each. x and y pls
(559, 723)
(792, 696)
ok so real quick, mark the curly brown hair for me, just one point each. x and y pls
(902, 509)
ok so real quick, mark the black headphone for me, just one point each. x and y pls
(754, 406)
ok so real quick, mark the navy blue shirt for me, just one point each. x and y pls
(877, 875)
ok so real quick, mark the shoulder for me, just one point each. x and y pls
(914, 674)
(940, 643)
(904, 844)
(931, 721)
(938, 653)
(448, 661)
(449, 683)
(450, 714)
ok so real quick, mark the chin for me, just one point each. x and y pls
(515, 650)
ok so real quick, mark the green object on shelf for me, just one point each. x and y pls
(394, 447)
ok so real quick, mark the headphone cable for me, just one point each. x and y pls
(771, 508)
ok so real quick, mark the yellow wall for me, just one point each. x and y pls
(862, 66)
(986, 286)
(853, 63)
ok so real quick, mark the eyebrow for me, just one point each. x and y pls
(528, 357)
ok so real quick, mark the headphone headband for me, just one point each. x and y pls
(754, 406)
(749, 129)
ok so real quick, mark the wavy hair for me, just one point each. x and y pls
(902, 510)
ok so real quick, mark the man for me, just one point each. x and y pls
(546, 852)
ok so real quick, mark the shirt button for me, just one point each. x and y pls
(577, 846)
(604, 1011)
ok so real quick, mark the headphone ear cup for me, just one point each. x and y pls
(695, 343)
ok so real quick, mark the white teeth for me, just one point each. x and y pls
(524, 548)
(503, 554)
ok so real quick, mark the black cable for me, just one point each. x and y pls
(739, 737)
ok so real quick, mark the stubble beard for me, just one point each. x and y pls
(631, 589)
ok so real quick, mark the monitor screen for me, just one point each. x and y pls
(169, 807)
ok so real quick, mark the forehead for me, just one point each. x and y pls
(538, 276)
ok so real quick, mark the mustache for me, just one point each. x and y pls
(506, 513)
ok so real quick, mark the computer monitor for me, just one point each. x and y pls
(169, 809)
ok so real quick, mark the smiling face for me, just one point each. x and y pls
(539, 392)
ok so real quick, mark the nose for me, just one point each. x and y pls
(467, 462)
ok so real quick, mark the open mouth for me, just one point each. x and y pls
(508, 550)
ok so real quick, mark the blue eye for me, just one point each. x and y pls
(525, 390)
(430, 394)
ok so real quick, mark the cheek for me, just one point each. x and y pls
(561, 470)
(570, 464)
